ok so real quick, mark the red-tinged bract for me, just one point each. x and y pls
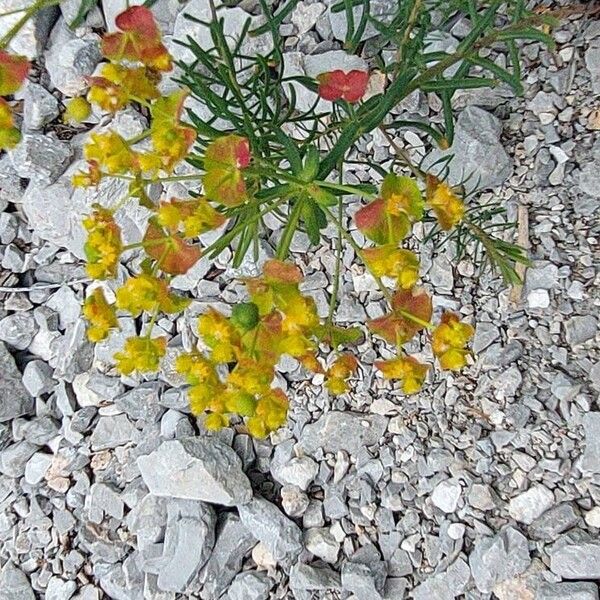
(138, 40)
(338, 85)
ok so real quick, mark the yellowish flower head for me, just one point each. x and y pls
(390, 261)
(141, 354)
(100, 316)
(103, 246)
(447, 206)
(407, 369)
(449, 341)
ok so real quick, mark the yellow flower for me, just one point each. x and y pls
(147, 293)
(197, 370)
(191, 217)
(92, 177)
(141, 354)
(405, 368)
(300, 313)
(295, 344)
(447, 206)
(103, 246)
(118, 85)
(251, 377)
(271, 413)
(100, 315)
(171, 139)
(449, 341)
(390, 261)
(240, 402)
(219, 335)
(343, 367)
(111, 152)
(215, 421)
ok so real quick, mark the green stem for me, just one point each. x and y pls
(338, 263)
(29, 12)
(152, 322)
(289, 231)
(217, 247)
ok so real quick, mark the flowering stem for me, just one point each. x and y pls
(152, 321)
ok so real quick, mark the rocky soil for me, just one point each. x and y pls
(485, 485)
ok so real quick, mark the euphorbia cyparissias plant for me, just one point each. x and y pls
(235, 374)
(271, 158)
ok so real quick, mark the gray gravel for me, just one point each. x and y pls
(485, 485)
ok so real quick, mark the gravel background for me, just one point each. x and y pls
(485, 485)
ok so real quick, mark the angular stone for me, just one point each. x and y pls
(198, 469)
(498, 558)
(592, 63)
(382, 10)
(298, 471)
(281, 536)
(250, 585)
(36, 467)
(591, 456)
(477, 151)
(529, 505)
(447, 585)
(234, 542)
(589, 182)
(103, 501)
(15, 400)
(14, 584)
(41, 158)
(32, 35)
(111, 432)
(446, 495)
(14, 458)
(557, 519)
(567, 591)
(580, 329)
(542, 278)
(305, 15)
(320, 542)
(234, 20)
(366, 582)
(37, 378)
(576, 559)
(293, 500)
(54, 211)
(18, 329)
(59, 589)
(308, 578)
(39, 107)
(348, 431)
(189, 540)
(70, 59)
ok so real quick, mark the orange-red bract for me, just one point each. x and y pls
(278, 271)
(338, 85)
(138, 40)
(411, 311)
(174, 254)
(379, 226)
(13, 71)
